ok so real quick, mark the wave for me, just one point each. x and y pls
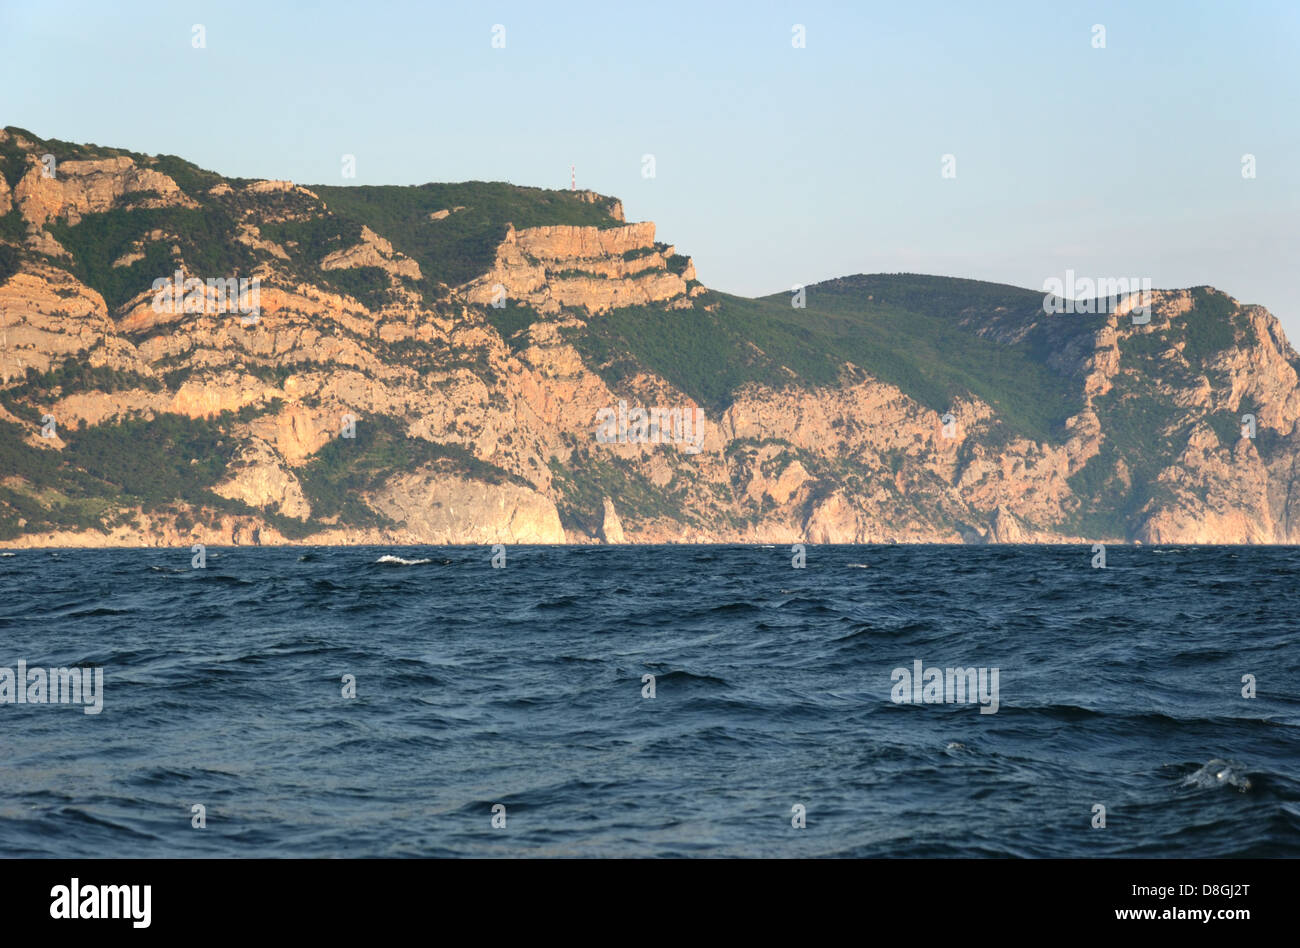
(728, 608)
(1219, 773)
(221, 579)
(682, 676)
(389, 560)
(95, 613)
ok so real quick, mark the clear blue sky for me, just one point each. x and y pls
(774, 165)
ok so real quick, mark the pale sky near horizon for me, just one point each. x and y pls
(774, 165)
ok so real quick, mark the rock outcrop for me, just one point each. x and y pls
(373, 251)
(434, 508)
(592, 268)
(71, 189)
(260, 478)
(429, 415)
(611, 528)
(1004, 528)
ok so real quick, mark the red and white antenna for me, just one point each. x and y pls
(573, 179)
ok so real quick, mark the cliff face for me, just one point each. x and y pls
(418, 369)
(563, 267)
(70, 189)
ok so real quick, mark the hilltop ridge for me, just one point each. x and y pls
(431, 364)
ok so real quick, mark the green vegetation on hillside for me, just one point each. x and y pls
(1208, 325)
(462, 245)
(512, 322)
(12, 226)
(40, 490)
(189, 177)
(10, 257)
(346, 468)
(583, 484)
(711, 354)
(76, 375)
(1144, 431)
(310, 241)
(369, 286)
(13, 160)
(1144, 428)
(156, 461)
(316, 238)
(946, 297)
(206, 236)
(154, 464)
(936, 339)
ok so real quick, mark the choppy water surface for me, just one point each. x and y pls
(524, 686)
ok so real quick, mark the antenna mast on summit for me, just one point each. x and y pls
(573, 179)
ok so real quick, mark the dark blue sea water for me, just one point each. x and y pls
(523, 687)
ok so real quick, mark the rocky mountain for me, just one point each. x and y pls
(187, 358)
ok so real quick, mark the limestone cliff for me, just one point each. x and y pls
(588, 268)
(611, 529)
(426, 367)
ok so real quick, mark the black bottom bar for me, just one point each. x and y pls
(643, 898)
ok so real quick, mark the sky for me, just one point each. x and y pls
(774, 164)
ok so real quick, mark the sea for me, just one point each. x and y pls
(652, 701)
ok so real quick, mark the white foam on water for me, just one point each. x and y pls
(1219, 773)
(389, 558)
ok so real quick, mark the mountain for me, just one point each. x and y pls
(464, 363)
